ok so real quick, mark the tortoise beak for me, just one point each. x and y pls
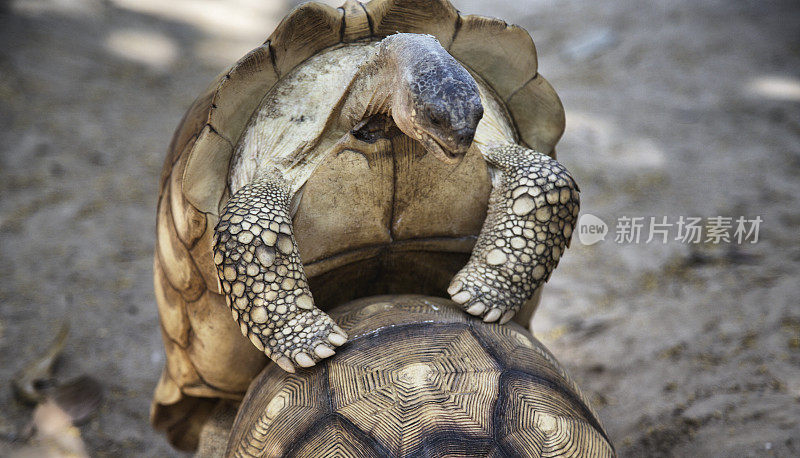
(462, 140)
(452, 148)
(448, 152)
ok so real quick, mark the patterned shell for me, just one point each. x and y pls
(420, 378)
(207, 357)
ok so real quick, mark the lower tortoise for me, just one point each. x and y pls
(418, 378)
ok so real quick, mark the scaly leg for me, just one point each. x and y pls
(263, 280)
(532, 211)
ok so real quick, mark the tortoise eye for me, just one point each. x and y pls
(436, 116)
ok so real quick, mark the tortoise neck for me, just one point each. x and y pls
(383, 82)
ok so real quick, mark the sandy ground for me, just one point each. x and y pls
(674, 108)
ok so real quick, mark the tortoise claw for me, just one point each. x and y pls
(534, 206)
(261, 274)
(303, 360)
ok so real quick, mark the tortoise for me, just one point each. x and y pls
(395, 146)
(418, 378)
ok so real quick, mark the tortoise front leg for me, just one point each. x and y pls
(532, 211)
(263, 279)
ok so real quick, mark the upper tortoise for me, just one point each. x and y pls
(343, 159)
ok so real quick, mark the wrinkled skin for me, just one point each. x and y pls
(439, 104)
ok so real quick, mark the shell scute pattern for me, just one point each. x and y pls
(405, 388)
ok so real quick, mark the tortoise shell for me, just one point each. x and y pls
(420, 378)
(207, 357)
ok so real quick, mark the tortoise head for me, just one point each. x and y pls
(436, 101)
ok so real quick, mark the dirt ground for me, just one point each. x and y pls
(674, 108)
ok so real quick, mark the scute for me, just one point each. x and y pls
(204, 258)
(240, 91)
(338, 438)
(434, 17)
(206, 171)
(419, 378)
(538, 114)
(215, 337)
(188, 130)
(356, 22)
(190, 223)
(179, 368)
(518, 350)
(170, 307)
(284, 409)
(545, 420)
(177, 263)
(363, 316)
(373, 210)
(426, 189)
(442, 381)
(503, 54)
(218, 124)
(308, 29)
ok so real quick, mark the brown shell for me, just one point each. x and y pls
(206, 354)
(420, 378)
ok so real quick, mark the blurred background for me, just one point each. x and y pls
(674, 108)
